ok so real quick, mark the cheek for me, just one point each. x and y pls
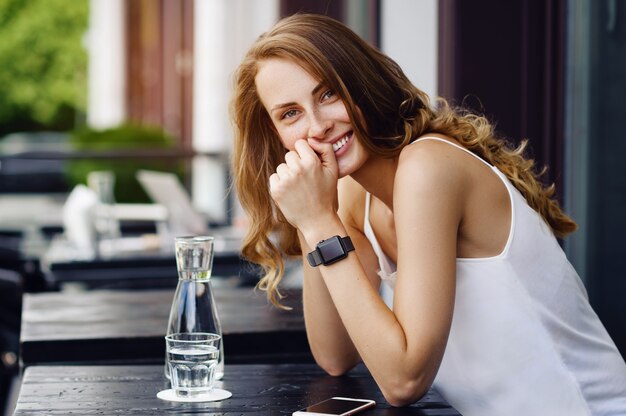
(289, 135)
(337, 112)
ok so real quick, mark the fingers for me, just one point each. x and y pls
(325, 152)
(273, 182)
(278, 182)
(302, 187)
(285, 172)
(305, 151)
(292, 160)
(302, 159)
(282, 173)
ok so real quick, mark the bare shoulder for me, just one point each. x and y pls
(432, 164)
(351, 202)
(430, 199)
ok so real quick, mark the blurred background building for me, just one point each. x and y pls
(146, 83)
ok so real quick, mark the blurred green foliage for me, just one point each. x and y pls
(43, 64)
(123, 137)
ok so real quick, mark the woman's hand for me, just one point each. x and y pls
(305, 186)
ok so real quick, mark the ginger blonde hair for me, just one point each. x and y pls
(396, 113)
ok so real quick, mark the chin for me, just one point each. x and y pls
(345, 171)
(349, 165)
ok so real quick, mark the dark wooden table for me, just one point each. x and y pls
(150, 268)
(267, 390)
(99, 326)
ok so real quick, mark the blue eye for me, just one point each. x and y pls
(289, 114)
(328, 94)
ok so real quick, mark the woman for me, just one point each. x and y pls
(340, 159)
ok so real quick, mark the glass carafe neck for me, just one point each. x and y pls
(195, 275)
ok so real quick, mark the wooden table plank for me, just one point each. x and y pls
(119, 326)
(257, 390)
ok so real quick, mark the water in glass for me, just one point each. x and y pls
(192, 359)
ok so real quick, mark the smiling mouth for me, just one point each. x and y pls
(341, 142)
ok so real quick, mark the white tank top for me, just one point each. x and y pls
(524, 339)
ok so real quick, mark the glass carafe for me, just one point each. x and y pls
(193, 307)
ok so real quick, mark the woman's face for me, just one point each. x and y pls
(302, 107)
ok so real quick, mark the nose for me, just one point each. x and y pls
(319, 126)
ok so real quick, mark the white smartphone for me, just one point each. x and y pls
(336, 406)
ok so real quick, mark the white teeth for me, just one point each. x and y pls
(339, 143)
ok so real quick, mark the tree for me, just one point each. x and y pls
(43, 64)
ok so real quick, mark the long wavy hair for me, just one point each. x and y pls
(396, 113)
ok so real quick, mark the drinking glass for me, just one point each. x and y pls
(194, 257)
(192, 358)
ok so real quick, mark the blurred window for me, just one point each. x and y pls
(594, 174)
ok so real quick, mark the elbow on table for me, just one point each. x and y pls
(404, 392)
(334, 366)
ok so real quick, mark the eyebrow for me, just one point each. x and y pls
(313, 92)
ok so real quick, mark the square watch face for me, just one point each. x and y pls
(331, 250)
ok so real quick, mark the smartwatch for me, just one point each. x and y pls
(330, 251)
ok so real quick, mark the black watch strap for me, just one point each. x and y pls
(314, 258)
(330, 251)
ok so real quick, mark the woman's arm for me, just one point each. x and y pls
(330, 343)
(402, 349)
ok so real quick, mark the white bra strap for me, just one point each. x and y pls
(455, 145)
